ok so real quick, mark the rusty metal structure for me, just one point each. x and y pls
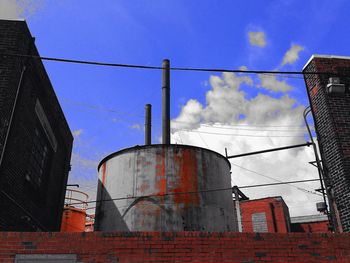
(75, 217)
(164, 187)
(167, 189)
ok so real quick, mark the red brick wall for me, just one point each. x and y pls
(311, 227)
(180, 247)
(276, 211)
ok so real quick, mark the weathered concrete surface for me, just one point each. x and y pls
(181, 173)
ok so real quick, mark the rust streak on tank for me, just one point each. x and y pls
(187, 178)
(160, 172)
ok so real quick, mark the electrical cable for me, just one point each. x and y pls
(96, 63)
(94, 107)
(274, 179)
(244, 125)
(244, 135)
(243, 129)
(194, 192)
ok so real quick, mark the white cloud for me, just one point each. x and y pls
(136, 126)
(250, 125)
(190, 113)
(257, 38)
(78, 160)
(77, 133)
(14, 9)
(292, 54)
(84, 173)
(270, 82)
(8, 9)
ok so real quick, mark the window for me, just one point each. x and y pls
(39, 159)
(259, 222)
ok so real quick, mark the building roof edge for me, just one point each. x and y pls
(324, 56)
(13, 19)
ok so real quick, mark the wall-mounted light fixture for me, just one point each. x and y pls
(335, 87)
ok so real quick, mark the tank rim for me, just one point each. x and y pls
(136, 147)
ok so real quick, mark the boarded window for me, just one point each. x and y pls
(259, 222)
(46, 258)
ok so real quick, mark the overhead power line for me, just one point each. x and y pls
(276, 180)
(244, 129)
(237, 125)
(271, 184)
(192, 192)
(121, 65)
(243, 135)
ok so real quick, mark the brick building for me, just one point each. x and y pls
(329, 97)
(310, 224)
(35, 140)
(269, 214)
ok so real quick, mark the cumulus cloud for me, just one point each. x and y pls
(257, 38)
(190, 115)
(14, 9)
(77, 133)
(136, 126)
(292, 54)
(78, 160)
(228, 119)
(8, 9)
(244, 68)
(270, 82)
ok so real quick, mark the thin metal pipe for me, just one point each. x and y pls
(166, 102)
(270, 150)
(325, 193)
(238, 208)
(148, 124)
(12, 116)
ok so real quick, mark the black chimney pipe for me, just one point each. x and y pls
(166, 102)
(148, 124)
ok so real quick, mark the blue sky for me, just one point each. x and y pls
(105, 106)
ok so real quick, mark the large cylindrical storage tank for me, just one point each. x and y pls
(164, 188)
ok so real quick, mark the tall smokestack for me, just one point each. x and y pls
(166, 102)
(148, 124)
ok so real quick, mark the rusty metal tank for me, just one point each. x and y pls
(164, 188)
(74, 211)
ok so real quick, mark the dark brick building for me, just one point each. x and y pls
(330, 104)
(35, 140)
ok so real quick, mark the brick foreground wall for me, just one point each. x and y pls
(180, 247)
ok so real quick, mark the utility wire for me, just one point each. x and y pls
(96, 63)
(243, 135)
(274, 179)
(270, 184)
(98, 108)
(239, 125)
(192, 192)
(244, 129)
(231, 127)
